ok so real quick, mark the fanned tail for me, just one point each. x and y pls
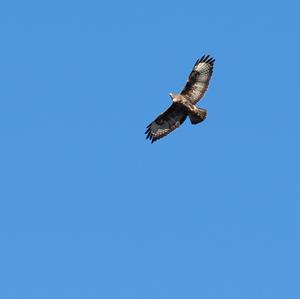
(198, 116)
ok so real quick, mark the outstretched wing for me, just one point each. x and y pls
(199, 78)
(165, 123)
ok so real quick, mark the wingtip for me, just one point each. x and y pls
(202, 58)
(206, 58)
(149, 134)
(151, 137)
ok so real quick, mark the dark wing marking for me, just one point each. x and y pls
(165, 123)
(199, 79)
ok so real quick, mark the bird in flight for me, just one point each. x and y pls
(183, 105)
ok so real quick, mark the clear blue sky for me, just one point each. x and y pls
(90, 209)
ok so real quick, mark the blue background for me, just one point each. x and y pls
(90, 209)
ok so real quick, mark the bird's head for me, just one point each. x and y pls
(173, 97)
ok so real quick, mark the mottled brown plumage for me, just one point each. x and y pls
(184, 103)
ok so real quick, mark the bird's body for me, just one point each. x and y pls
(183, 105)
(195, 114)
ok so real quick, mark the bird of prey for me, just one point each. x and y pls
(184, 103)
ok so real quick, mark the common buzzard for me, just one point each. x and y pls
(184, 103)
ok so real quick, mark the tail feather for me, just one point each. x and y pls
(198, 116)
